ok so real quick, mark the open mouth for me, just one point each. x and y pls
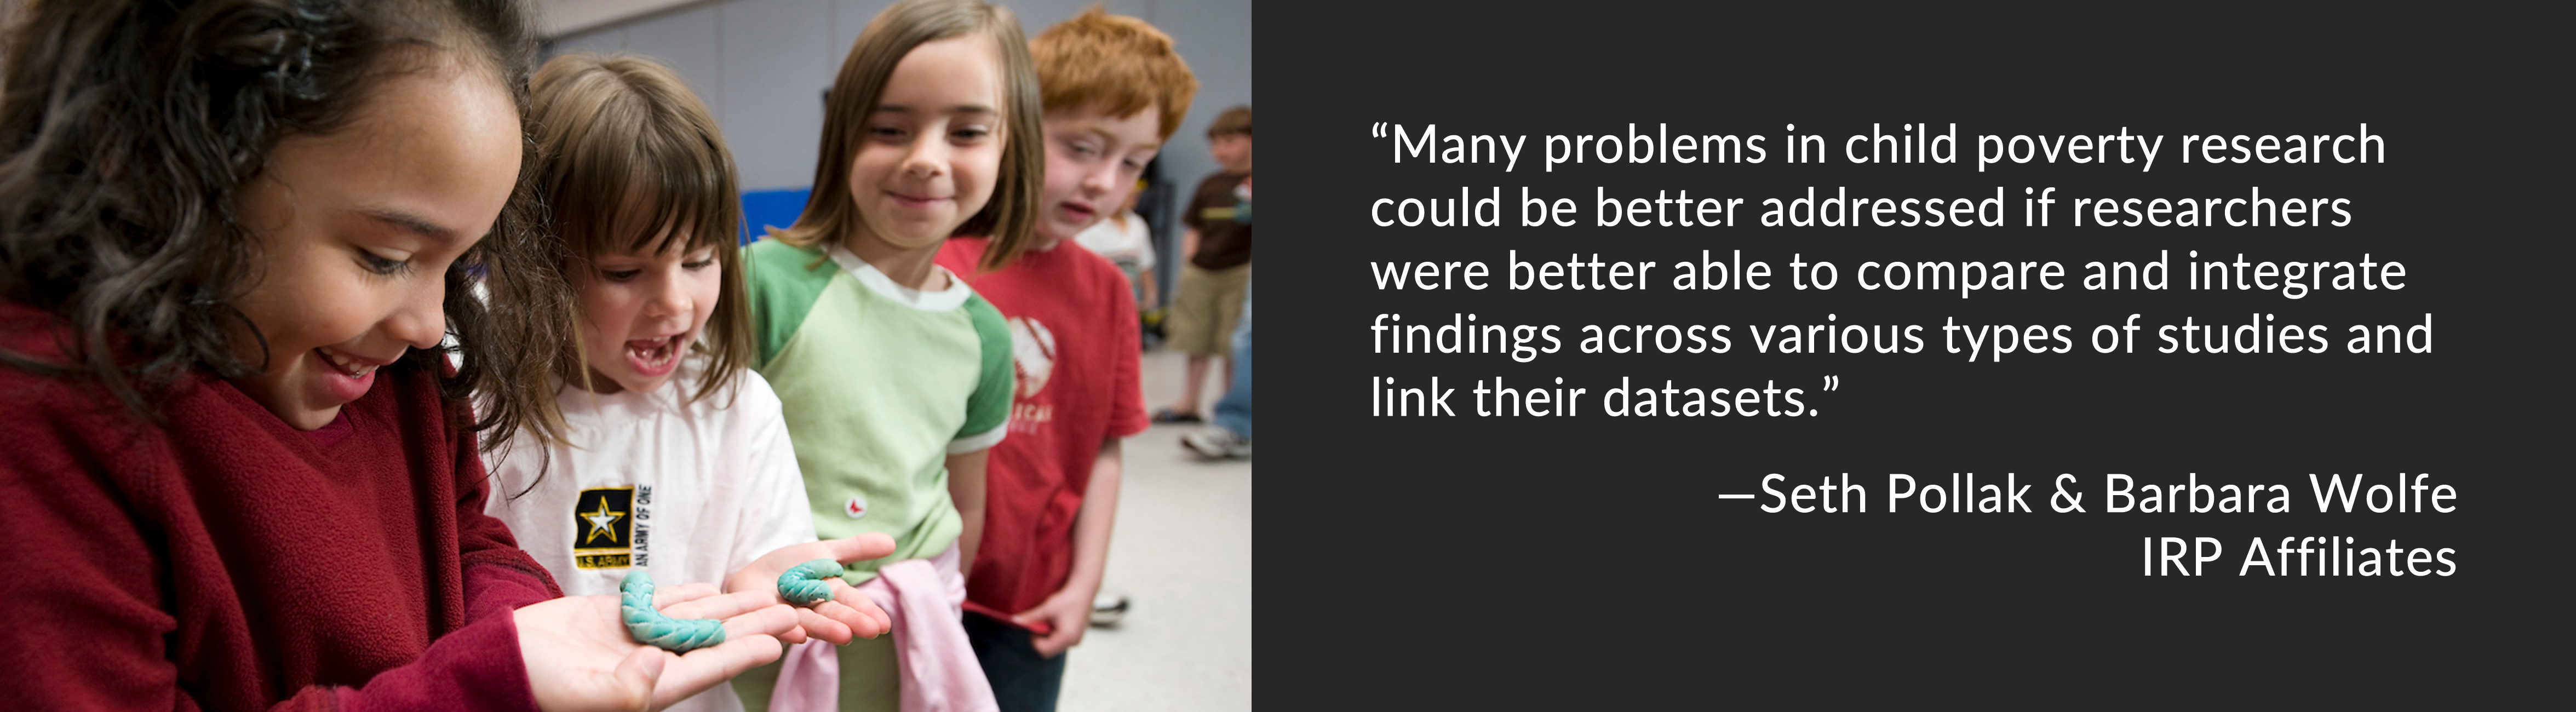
(352, 368)
(654, 357)
(1077, 212)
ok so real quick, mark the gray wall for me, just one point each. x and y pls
(763, 65)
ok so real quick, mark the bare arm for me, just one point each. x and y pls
(1068, 612)
(1091, 526)
(966, 489)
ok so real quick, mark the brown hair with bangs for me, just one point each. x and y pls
(634, 163)
(1011, 216)
(1236, 121)
(1113, 63)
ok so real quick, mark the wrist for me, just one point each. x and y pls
(1081, 588)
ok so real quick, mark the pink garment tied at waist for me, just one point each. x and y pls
(933, 660)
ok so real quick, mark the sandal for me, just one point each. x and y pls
(1168, 415)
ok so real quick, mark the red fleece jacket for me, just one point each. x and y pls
(225, 561)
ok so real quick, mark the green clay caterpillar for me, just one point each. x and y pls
(809, 583)
(650, 627)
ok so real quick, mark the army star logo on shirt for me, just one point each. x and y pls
(603, 528)
(599, 522)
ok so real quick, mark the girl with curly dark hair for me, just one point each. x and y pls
(238, 243)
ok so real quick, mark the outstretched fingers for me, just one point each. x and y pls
(752, 623)
(858, 611)
(666, 596)
(871, 545)
(744, 613)
(818, 625)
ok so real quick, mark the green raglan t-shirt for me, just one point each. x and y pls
(880, 384)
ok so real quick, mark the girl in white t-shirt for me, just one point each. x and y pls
(674, 457)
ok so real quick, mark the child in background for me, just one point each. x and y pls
(1228, 435)
(1216, 262)
(1113, 92)
(1122, 239)
(895, 376)
(675, 458)
(241, 474)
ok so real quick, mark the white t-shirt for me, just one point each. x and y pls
(1121, 238)
(689, 491)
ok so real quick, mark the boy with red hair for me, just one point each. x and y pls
(1113, 91)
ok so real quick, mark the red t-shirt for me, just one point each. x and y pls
(1074, 345)
(225, 561)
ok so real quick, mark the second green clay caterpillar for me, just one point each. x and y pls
(809, 583)
(650, 627)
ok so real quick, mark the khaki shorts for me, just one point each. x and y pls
(1205, 308)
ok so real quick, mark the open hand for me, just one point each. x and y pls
(580, 658)
(850, 614)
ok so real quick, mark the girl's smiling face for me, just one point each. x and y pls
(933, 146)
(641, 312)
(357, 228)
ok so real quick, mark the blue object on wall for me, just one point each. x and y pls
(763, 209)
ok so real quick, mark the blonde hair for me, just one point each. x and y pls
(1117, 64)
(1011, 216)
(633, 162)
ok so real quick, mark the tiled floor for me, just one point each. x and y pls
(1182, 554)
